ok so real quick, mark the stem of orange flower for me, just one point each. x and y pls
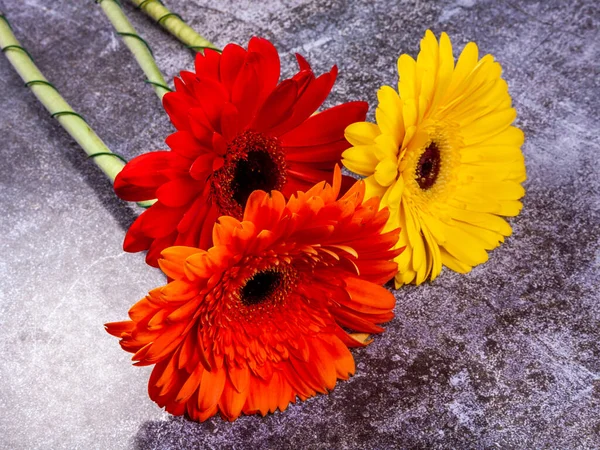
(136, 44)
(110, 163)
(174, 24)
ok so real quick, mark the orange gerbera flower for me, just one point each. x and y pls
(256, 321)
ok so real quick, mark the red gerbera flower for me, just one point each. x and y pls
(256, 321)
(238, 130)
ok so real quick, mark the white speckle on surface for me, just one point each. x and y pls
(459, 378)
(113, 45)
(316, 43)
(448, 14)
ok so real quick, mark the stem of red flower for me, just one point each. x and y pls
(174, 24)
(136, 44)
(110, 163)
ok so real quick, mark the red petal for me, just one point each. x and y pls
(269, 64)
(186, 145)
(160, 220)
(302, 63)
(307, 172)
(246, 90)
(157, 246)
(178, 192)
(207, 64)
(181, 88)
(200, 126)
(177, 105)
(135, 240)
(213, 97)
(330, 153)
(311, 99)
(231, 62)
(303, 78)
(229, 121)
(205, 240)
(189, 79)
(202, 166)
(219, 144)
(142, 175)
(195, 212)
(277, 108)
(327, 126)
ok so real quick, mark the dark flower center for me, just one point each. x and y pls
(252, 162)
(257, 171)
(261, 287)
(428, 167)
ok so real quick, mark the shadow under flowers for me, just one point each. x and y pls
(182, 433)
(389, 404)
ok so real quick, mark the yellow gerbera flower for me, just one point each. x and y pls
(444, 158)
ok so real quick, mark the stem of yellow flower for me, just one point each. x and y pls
(110, 163)
(174, 24)
(138, 46)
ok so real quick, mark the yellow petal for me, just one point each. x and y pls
(472, 105)
(482, 220)
(452, 263)
(386, 172)
(406, 72)
(498, 190)
(360, 159)
(488, 126)
(444, 72)
(428, 55)
(403, 260)
(491, 153)
(386, 147)
(489, 239)
(487, 205)
(389, 114)
(435, 227)
(413, 230)
(373, 188)
(464, 247)
(434, 266)
(410, 132)
(395, 194)
(393, 223)
(510, 136)
(466, 63)
(361, 133)
(514, 170)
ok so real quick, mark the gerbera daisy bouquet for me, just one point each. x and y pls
(276, 262)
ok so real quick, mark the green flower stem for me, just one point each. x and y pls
(174, 24)
(110, 163)
(138, 46)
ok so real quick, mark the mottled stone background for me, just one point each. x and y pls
(505, 357)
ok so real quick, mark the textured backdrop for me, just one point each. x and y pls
(507, 356)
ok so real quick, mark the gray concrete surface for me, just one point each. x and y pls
(505, 357)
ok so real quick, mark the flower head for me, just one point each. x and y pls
(238, 129)
(444, 158)
(256, 321)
